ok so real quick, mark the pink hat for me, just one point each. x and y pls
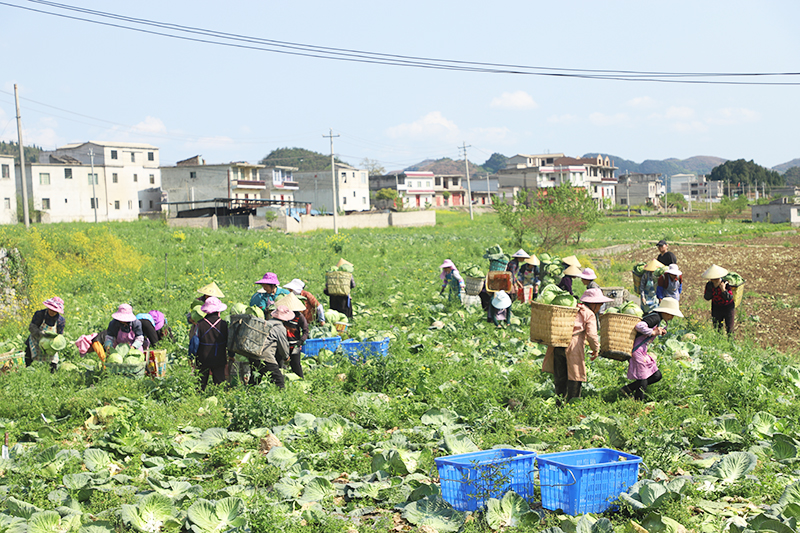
(55, 304)
(84, 343)
(282, 312)
(594, 296)
(447, 263)
(158, 318)
(588, 273)
(124, 314)
(213, 305)
(270, 278)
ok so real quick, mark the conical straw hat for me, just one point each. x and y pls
(211, 290)
(573, 271)
(533, 260)
(292, 302)
(654, 265)
(669, 306)
(343, 262)
(715, 272)
(572, 260)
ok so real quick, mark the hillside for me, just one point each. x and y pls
(446, 166)
(694, 165)
(11, 148)
(783, 167)
(304, 160)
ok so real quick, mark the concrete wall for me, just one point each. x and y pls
(776, 213)
(205, 222)
(8, 191)
(376, 220)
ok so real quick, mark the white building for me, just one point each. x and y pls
(352, 185)
(8, 191)
(280, 182)
(679, 183)
(126, 182)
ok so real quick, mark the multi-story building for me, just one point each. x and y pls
(8, 191)
(280, 182)
(95, 180)
(352, 186)
(641, 189)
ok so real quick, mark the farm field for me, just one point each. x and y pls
(352, 447)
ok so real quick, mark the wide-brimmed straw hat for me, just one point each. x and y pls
(283, 313)
(572, 271)
(571, 260)
(673, 269)
(588, 273)
(55, 304)
(343, 262)
(669, 306)
(211, 290)
(296, 286)
(124, 314)
(533, 260)
(501, 300)
(270, 278)
(654, 265)
(594, 296)
(158, 319)
(213, 305)
(292, 302)
(521, 254)
(447, 263)
(715, 272)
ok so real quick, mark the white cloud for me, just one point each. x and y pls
(495, 135)
(151, 125)
(562, 119)
(679, 113)
(643, 102)
(518, 100)
(602, 119)
(690, 126)
(432, 126)
(730, 116)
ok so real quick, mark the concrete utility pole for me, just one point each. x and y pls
(333, 182)
(22, 179)
(469, 187)
(628, 192)
(94, 194)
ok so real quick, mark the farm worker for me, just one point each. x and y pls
(212, 351)
(670, 284)
(530, 274)
(124, 328)
(567, 364)
(647, 286)
(515, 266)
(265, 296)
(451, 278)
(296, 331)
(202, 293)
(721, 296)
(160, 323)
(313, 309)
(642, 367)
(342, 302)
(588, 278)
(570, 273)
(47, 320)
(500, 310)
(148, 329)
(665, 257)
(275, 349)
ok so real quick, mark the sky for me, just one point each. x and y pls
(81, 81)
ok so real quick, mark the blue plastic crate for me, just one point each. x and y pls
(585, 481)
(312, 347)
(470, 479)
(358, 352)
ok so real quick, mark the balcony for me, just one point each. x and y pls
(249, 184)
(288, 185)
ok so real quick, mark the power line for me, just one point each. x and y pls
(359, 56)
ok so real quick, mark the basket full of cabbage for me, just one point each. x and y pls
(497, 259)
(125, 360)
(337, 279)
(736, 282)
(617, 331)
(553, 316)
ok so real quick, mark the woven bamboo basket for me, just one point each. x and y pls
(473, 286)
(552, 324)
(497, 265)
(637, 280)
(338, 283)
(738, 292)
(617, 335)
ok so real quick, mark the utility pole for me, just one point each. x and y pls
(469, 187)
(628, 192)
(22, 179)
(94, 194)
(333, 182)
(488, 189)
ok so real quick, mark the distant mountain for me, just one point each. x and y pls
(12, 148)
(700, 164)
(783, 167)
(300, 158)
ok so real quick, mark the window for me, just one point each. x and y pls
(133, 157)
(363, 177)
(7, 203)
(344, 176)
(344, 200)
(152, 178)
(92, 202)
(95, 179)
(114, 178)
(401, 180)
(193, 175)
(44, 178)
(135, 178)
(438, 182)
(151, 156)
(45, 203)
(130, 204)
(151, 204)
(364, 200)
(113, 154)
(455, 182)
(419, 185)
(67, 173)
(66, 201)
(116, 204)
(140, 204)
(354, 194)
(6, 171)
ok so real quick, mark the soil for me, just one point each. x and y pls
(770, 310)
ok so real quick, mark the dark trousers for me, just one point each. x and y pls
(294, 361)
(260, 368)
(723, 313)
(217, 375)
(639, 387)
(566, 389)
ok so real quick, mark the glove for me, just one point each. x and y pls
(137, 345)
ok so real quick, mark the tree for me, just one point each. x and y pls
(495, 162)
(373, 166)
(573, 202)
(675, 199)
(746, 173)
(516, 218)
(386, 194)
(304, 160)
(727, 207)
(792, 176)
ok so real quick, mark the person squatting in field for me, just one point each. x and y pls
(567, 364)
(642, 366)
(451, 278)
